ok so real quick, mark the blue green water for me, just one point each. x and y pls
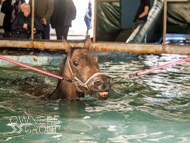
(150, 108)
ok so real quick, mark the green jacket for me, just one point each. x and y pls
(43, 9)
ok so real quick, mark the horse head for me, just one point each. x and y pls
(81, 67)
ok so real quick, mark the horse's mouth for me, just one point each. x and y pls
(102, 95)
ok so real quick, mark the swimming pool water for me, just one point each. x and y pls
(149, 108)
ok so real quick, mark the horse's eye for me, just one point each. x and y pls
(76, 63)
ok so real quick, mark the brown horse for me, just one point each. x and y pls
(82, 68)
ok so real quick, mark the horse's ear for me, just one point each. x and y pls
(87, 42)
(66, 45)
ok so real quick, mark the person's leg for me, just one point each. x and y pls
(14, 35)
(136, 24)
(46, 32)
(58, 31)
(6, 34)
(24, 36)
(88, 24)
(87, 30)
(62, 31)
(65, 31)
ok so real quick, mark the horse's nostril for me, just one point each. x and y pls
(97, 83)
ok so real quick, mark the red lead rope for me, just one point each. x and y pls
(63, 78)
(34, 69)
(159, 67)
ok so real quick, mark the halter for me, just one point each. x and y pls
(77, 82)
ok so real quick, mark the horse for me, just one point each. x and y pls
(81, 67)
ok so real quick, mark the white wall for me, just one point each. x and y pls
(78, 25)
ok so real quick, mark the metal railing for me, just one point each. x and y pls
(101, 46)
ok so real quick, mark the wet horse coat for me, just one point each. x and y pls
(81, 66)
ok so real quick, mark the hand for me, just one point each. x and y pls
(35, 31)
(45, 21)
(25, 25)
(12, 2)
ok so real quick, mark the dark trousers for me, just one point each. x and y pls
(45, 33)
(6, 34)
(61, 31)
(20, 35)
(137, 23)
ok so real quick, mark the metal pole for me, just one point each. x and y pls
(95, 15)
(164, 25)
(102, 46)
(32, 24)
